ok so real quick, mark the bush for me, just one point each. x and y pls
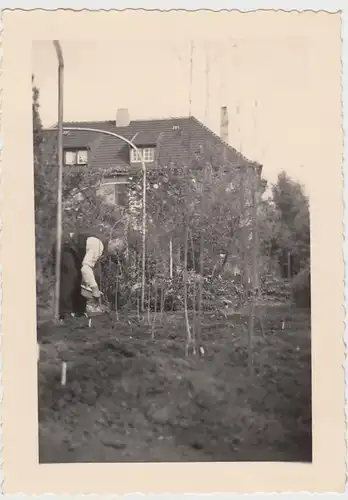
(275, 288)
(301, 288)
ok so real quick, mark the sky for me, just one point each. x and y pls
(267, 81)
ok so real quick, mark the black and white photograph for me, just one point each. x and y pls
(172, 240)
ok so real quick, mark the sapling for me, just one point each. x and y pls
(194, 319)
(149, 305)
(170, 258)
(138, 306)
(162, 292)
(189, 341)
(116, 297)
(154, 315)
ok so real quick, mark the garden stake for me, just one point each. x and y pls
(63, 377)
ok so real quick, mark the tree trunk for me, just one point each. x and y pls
(171, 258)
(138, 306)
(148, 305)
(201, 262)
(194, 290)
(154, 315)
(162, 302)
(189, 340)
(179, 255)
(155, 304)
(251, 336)
(116, 297)
(254, 272)
(245, 274)
(227, 253)
(200, 290)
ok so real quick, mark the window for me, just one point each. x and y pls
(114, 192)
(82, 157)
(147, 153)
(70, 158)
(76, 157)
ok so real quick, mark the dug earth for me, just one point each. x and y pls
(129, 397)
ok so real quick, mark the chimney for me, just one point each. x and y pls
(122, 117)
(224, 124)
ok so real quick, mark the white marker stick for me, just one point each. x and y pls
(63, 378)
(90, 322)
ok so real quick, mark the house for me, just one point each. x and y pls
(161, 141)
(166, 142)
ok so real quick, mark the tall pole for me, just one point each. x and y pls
(144, 239)
(60, 176)
(255, 222)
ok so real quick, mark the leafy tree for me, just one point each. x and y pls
(293, 228)
(44, 204)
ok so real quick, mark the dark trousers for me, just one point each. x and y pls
(71, 300)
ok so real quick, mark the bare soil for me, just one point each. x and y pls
(130, 398)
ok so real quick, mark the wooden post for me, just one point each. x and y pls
(63, 373)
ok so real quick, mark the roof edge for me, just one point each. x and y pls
(170, 118)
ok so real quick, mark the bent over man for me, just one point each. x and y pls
(80, 268)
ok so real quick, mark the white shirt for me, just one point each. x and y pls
(94, 250)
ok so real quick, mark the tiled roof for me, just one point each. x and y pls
(177, 140)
